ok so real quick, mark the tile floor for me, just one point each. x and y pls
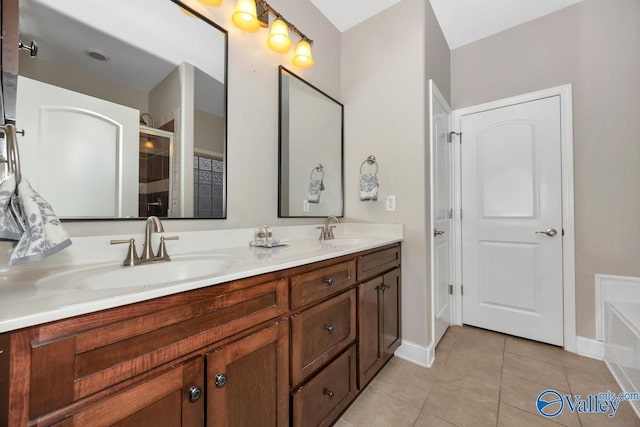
(482, 378)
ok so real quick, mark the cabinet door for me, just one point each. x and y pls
(248, 380)
(370, 357)
(166, 400)
(391, 331)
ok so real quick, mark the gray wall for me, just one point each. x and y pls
(384, 84)
(594, 46)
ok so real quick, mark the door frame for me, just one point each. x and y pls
(568, 243)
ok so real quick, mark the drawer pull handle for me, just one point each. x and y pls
(220, 380)
(194, 393)
(329, 393)
(329, 281)
(330, 329)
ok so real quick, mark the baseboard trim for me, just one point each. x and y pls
(412, 352)
(610, 287)
(590, 348)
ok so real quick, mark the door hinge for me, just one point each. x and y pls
(450, 289)
(563, 232)
(451, 134)
(461, 290)
(450, 213)
(461, 214)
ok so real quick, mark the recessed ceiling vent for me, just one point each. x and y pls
(98, 54)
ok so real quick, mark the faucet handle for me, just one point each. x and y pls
(330, 234)
(132, 255)
(162, 249)
(322, 233)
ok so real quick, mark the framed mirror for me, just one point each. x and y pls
(123, 108)
(310, 150)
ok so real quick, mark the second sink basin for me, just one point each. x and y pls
(113, 277)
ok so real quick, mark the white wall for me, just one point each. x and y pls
(384, 79)
(594, 45)
(252, 152)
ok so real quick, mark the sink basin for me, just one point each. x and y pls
(115, 276)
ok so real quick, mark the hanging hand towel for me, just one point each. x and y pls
(43, 234)
(9, 226)
(316, 186)
(369, 187)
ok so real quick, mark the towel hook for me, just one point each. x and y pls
(320, 169)
(371, 160)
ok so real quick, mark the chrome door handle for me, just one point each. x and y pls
(437, 233)
(551, 232)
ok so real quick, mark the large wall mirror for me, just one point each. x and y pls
(311, 150)
(124, 108)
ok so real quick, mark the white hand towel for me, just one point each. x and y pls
(316, 186)
(43, 234)
(9, 226)
(369, 187)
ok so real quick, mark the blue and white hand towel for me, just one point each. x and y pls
(9, 226)
(42, 232)
(369, 187)
(316, 187)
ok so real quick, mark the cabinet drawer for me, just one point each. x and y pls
(97, 357)
(321, 400)
(321, 332)
(320, 283)
(372, 264)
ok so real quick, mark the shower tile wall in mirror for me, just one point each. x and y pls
(123, 108)
(311, 150)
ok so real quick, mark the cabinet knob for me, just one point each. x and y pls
(330, 329)
(220, 380)
(329, 281)
(330, 394)
(194, 393)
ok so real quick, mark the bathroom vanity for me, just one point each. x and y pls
(288, 346)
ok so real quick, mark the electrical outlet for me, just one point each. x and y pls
(305, 205)
(391, 203)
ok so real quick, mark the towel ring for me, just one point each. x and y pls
(371, 160)
(320, 169)
(13, 155)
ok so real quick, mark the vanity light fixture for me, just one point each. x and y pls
(212, 3)
(250, 15)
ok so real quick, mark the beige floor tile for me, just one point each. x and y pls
(469, 339)
(534, 349)
(522, 394)
(427, 420)
(510, 417)
(342, 423)
(536, 371)
(625, 417)
(374, 408)
(580, 363)
(463, 404)
(405, 381)
(586, 383)
(484, 365)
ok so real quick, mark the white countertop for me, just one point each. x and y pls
(41, 292)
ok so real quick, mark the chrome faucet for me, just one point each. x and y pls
(326, 232)
(153, 224)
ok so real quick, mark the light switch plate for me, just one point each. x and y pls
(391, 203)
(305, 205)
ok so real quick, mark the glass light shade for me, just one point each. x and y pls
(279, 37)
(302, 58)
(212, 3)
(245, 16)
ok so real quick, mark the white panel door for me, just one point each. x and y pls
(512, 220)
(79, 152)
(441, 202)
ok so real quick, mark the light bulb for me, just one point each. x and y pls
(212, 3)
(279, 37)
(302, 58)
(245, 16)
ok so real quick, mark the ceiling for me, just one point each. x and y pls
(462, 21)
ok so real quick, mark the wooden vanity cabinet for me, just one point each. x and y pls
(379, 323)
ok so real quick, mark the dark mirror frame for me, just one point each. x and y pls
(9, 15)
(282, 70)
